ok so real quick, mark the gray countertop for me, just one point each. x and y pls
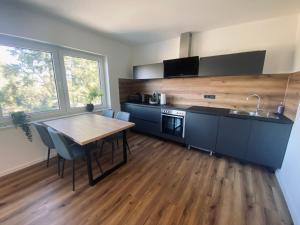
(217, 112)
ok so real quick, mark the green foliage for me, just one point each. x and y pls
(83, 80)
(94, 93)
(22, 120)
(27, 81)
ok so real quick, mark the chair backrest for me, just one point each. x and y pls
(108, 113)
(60, 144)
(125, 116)
(44, 134)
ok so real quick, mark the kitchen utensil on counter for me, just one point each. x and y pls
(135, 98)
(280, 108)
(154, 99)
(163, 99)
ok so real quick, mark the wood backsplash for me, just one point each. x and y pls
(292, 95)
(230, 91)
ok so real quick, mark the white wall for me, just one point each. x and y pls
(156, 52)
(297, 53)
(277, 36)
(289, 174)
(16, 152)
(24, 23)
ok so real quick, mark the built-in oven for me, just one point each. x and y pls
(173, 122)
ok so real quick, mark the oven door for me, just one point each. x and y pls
(172, 125)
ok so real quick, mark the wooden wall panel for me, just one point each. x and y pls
(292, 97)
(230, 91)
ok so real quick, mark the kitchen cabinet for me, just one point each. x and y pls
(146, 119)
(201, 131)
(267, 143)
(233, 137)
(149, 71)
(248, 139)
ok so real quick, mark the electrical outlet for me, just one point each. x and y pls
(210, 96)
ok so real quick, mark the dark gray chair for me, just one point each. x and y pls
(108, 113)
(68, 152)
(125, 116)
(46, 139)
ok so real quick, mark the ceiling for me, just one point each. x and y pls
(144, 21)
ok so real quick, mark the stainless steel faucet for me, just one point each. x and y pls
(258, 102)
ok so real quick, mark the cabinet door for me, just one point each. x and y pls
(201, 131)
(267, 143)
(233, 137)
(146, 126)
(151, 114)
(149, 71)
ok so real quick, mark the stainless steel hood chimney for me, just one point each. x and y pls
(185, 45)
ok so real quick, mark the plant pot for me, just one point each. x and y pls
(89, 107)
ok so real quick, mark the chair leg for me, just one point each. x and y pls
(128, 148)
(112, 152)
(73, 174)
(48, 158)
(63, 168)
(58, 164)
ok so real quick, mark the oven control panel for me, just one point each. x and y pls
(173, 112)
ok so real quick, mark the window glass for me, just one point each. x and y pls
(27, 81)
(83, 81)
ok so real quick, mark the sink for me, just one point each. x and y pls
(255, 114)
(238, 112)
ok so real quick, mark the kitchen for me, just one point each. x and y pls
(223, 109)
(162, 112)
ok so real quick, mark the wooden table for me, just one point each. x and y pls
(88, 128)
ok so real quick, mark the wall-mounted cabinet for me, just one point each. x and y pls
(149, 71)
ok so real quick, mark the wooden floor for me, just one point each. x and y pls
(163, 183)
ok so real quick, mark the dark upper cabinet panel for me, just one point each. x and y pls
(150, 71)
(201, 131)
(233, 137)
(245, 63)
(267, 143)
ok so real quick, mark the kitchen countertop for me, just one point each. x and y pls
(216, 111)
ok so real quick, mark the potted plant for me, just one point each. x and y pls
(22, 120)
(92, 95)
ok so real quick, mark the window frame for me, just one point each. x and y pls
(58, 54)
(79, 54)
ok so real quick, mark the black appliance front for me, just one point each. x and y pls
(188, 66)
(172, 125)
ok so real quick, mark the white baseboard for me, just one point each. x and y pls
(289, 200)
(24, 165)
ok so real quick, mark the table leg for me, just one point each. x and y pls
(89, 166)
(94, 180)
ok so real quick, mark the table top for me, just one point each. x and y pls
(87, 128)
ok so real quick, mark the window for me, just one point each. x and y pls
(82, 79)
(27, 81)
(46, 80)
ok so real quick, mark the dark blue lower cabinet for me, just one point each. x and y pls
(146, 126)
(151, 114)
(201, 131)
(233, 137)
(267, 143)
